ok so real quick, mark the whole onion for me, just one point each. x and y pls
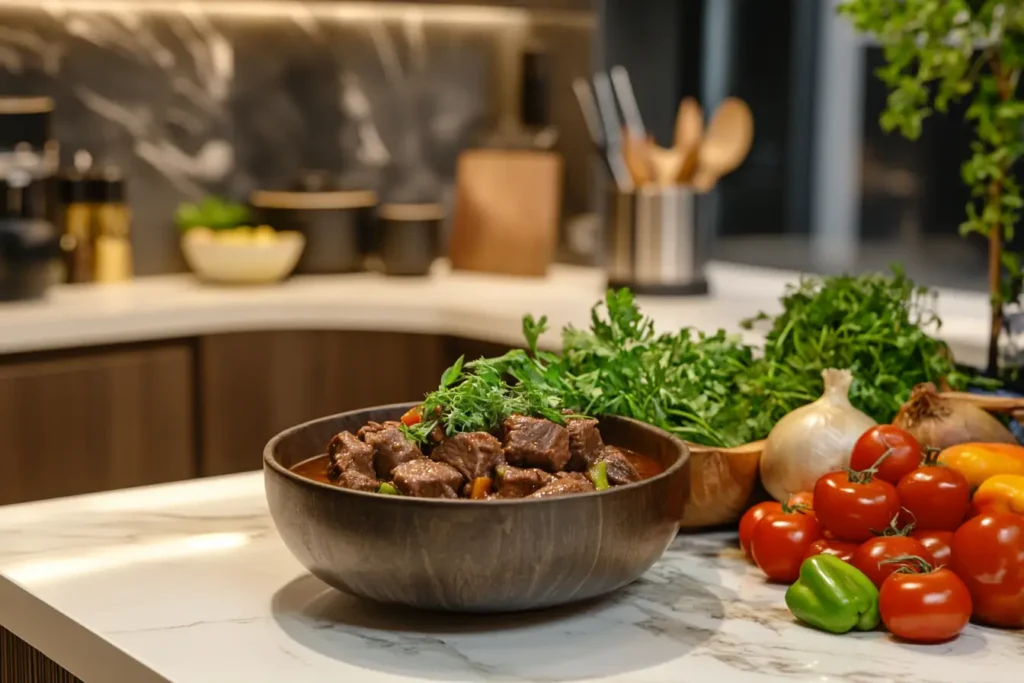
(814, 439)
(940, 422)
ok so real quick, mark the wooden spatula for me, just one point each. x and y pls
(689, 131)
(726, 144)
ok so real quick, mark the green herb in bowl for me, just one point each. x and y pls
(212, 212)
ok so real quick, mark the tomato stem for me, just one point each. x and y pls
(910, 564)
(799, 508)
(893, 529)
(931, 457)
(865, 476)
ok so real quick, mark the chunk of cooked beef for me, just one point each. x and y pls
(536, 442)
(473, 454)
(620, 469)
(585, 443)
(563, 484)
(350, 463)
(424, 478)
(390, 447)
(516, 482)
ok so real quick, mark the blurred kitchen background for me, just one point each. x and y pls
(136, 136)
(185, 99)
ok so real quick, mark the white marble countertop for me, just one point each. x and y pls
(190, 583)
(485, 307)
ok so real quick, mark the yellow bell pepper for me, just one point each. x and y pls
(1001, 493)
(979, 461)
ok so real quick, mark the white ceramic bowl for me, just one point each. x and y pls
(242, 261)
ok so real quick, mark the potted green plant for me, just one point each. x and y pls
(941, 51)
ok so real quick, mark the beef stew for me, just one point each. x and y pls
(536, 458)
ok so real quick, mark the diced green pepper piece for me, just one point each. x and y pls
(388, 489)
(599, 475)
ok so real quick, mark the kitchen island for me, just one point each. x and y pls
(190, 583)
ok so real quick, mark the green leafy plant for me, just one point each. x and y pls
(941, 51)
(212, 212)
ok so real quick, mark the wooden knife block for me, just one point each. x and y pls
(507, 209)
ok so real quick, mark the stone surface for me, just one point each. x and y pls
(189, 582)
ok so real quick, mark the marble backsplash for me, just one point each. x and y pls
(228, 96)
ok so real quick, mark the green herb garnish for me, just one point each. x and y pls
(710, 389)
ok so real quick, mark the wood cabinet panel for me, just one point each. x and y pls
(96, 421)
(256, 384)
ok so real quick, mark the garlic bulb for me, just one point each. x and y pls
(813, 440)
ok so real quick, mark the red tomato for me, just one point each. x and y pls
(854, 505)
(750, 519)
(927, 607)
(934, 497)
(844, 550)
(904, 452)
(972, 511)
(805, 499)
(871, 555)
(780, 543)
(939, 545)
(988, 554)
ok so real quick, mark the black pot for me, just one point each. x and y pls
(29, 258)
(336, 223)
(407, 237)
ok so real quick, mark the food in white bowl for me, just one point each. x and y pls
(242, 255)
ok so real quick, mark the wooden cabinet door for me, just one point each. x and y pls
(256, 384)
(96, 421)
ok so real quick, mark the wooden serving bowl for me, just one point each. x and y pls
(723, 483)
(474, 556)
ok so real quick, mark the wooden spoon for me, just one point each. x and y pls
(689, 131)
(727, 143)
(665, 163)
(634, 149)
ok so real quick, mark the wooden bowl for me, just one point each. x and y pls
(723, 483)
(474, 556)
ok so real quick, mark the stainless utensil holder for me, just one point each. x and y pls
(652, 243)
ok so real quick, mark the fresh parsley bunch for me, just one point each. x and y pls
(710, 389)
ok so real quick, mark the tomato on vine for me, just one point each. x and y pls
(844, 550)
(876, 557)
(938, 544)
(922, 604)
(855, 505)
(988, 554)
(901, 451)
(780, 542)
(750, 519)
(757, 512)
(933, 496)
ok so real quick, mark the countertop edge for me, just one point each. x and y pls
(479, 306)
(83, 653)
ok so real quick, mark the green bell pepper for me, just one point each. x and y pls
(833, 596)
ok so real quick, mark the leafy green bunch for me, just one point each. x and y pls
(879, 327)
(710, 389)
(701, 387)
(941, 51)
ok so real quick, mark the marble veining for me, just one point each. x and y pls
(192, 580)
(227, 97)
